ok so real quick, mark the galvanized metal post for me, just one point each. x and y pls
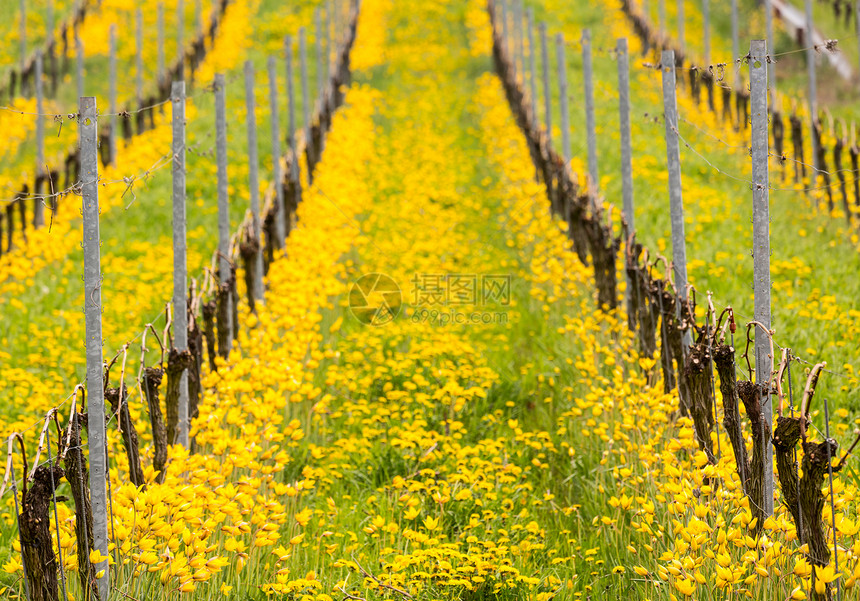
(79, 54)
(318, 45)
(813, 84)
(39, 206)
(506, 54)
(680, 11)
(291, 99)
(547, 96)
(327, 42)
(561, 61)
(160, 41)
(49, 22)
(761, 249)
(306, 123)
(624, 120)
(180, 268)
(626, 159)
(771, 71)
(23, 35)
(138, 17)
(857, 20)
(735, 43)
(520, 39)
(530, 17)
(180, 43)
(88, 128)
(114, 119)
(280, 225)
(706, 18)
(253, 179)
(40, 124)
(590, 127)
(676, 203)
(224, 271)
(336, 26)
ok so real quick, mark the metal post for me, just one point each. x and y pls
(39, 206)
(180, 269)
(561, 62)
(626, 157)
(706, 17)
(49, 28)
(79, 52)
(138, 16)
(771, 72)
(589, 113)
(88, 128)
(253, 181)
(624, 118)
(276, 151)
(114, 120)
(735, 44)
(856, 17)
(761, 248)
(505, 47)
(23, 35)
(673, 158)
(327, 42)
(336, 25)
(306, 123)
(291, 99)
(198, 16)
(520, 39)
(530, 17)
(160, 41)
(318, 44)
(680, 9)
(180, 43)
(224, 271)
(547, 97)
(813, 89)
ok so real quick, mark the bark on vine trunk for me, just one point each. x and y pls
(177, 362)
(785, 439)
(119, 406)
(698, 372)
(724, 358)
(37, 544)
(151, 381)
(750, 395)
(78, 476)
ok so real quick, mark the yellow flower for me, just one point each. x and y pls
(296, 540)
(686, 586)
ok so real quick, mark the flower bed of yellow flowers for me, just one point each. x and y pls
(522, 456)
